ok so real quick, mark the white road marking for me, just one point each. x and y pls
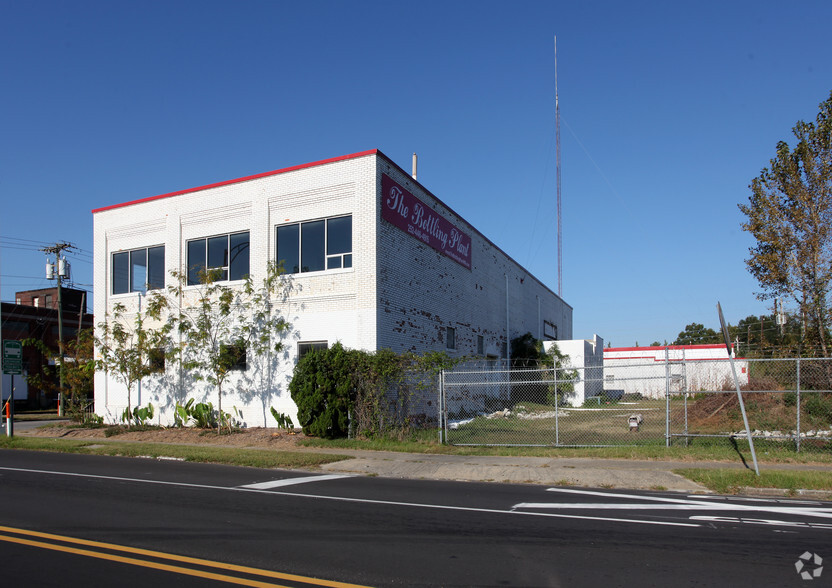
(356, 500)
(763, 522)
(664, 503)
(750, 499)
(292, 481)
(614, 506)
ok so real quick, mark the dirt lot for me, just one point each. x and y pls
(251, 437)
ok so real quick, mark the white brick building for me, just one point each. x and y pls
(376, 261)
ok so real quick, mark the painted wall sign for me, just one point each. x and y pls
(411, 215)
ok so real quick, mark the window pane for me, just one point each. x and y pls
(348, 260)
(156, 267)
(196, 260)
(304, 348)
(238, 264)
(312, 246)
(121, 273)
(156, 360)
(288, 248)
(233, 357)
(138, 270)
(333, 262)
(218, 252)
(339, 235)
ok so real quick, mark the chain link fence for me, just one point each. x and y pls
(670, 402)
(788, 402)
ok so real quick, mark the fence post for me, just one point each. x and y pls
(685, 391)
(797, 404)
(439, 404)
(667, 395)
(557, 403)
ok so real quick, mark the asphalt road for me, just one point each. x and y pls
(73, 520)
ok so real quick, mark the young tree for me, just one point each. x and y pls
(223, 326)
(789, 213)
(79, 369)
(125, 346)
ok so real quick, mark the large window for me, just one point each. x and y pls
(226, 254)
(139, 270)
(315, 246)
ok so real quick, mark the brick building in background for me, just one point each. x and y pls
(376, 261)
(35, 316)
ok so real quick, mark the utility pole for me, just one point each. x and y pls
(58, 271)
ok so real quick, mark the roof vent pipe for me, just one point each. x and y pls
(414, 167)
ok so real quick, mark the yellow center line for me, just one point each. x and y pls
(165, 556)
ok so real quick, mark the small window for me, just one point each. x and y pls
(48, 301)
(550, 331)
(156, 360)
(480, 345)
(339, 242)
(36, 301)
(307, 346)
(234, 356)
(226, 257)
(450, 338)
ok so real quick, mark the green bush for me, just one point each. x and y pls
(323, 389)
(338, 391)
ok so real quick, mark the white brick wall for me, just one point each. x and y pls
(421, 292)
(399, 293)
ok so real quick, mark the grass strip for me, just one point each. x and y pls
(715, 450)
(257, 458)
(730, 481)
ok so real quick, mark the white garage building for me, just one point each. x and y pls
(652, 371)
(376, 261)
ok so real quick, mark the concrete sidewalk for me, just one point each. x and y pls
(598, 473)
(583, 472)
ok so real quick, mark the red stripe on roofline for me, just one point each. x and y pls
(708, 346)
(239, 180)
(655, 359)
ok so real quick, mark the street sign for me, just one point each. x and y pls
(12, 357)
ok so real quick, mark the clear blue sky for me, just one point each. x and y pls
(668, 111)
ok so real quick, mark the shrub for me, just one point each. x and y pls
(138, 415)
(322, 387)
(338, 390)
(284, 421)
(183, 413)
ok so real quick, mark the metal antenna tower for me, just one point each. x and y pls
(557, 165)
